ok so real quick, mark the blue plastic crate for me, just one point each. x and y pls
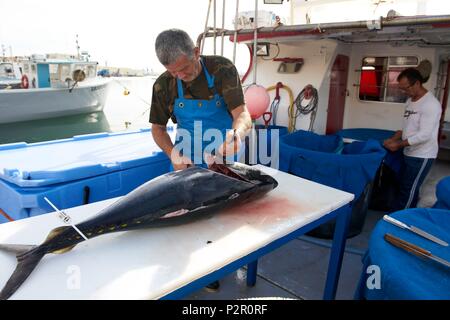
(72, 172)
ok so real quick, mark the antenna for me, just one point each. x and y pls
(78, 47)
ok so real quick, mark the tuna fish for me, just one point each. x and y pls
(173, 198)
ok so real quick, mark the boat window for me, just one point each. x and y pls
(378, 79)
(53, 71)
(90, 71)
(64, 72)
(6, 70)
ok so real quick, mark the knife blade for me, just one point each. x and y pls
(416, 230)
(414, 249)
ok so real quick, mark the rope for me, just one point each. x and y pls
(275, 105)
(274, 110)
(310, 108)
(3, 213)
(128, 123)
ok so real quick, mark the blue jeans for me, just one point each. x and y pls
(412, 173)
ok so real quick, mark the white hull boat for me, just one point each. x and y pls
(32, 104)
(53, 88)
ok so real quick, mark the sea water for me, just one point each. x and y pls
(121, 112)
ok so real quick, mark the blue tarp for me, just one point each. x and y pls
(324, 159)
(364, 134)
(443, 194)
(392, 159)
(402, 275)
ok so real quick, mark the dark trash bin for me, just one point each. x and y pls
(386, 182)
(326, 160)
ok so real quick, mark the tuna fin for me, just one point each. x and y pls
(55, 232)
(64, 250)
(17, 249)
(27, 259)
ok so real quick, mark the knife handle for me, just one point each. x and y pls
(418, 251)
(395, 222)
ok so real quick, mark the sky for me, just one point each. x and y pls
(117, 33)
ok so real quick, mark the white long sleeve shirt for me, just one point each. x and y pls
(421, 126)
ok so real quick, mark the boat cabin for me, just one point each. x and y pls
(10, 75)
(351, 59)
(48, 72)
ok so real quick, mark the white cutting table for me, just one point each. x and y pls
(171, 262)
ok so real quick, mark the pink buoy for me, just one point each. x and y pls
(257, 100)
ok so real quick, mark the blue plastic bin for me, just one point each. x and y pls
(443, 194)
(76, 171)
(326, 160)
(364, 134)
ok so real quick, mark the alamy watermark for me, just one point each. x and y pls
(73, 281)
(373, 281)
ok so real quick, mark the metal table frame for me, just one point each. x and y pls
(251, 260)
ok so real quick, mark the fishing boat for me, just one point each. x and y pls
(51, 86)
(10, 75)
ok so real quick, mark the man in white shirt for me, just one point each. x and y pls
(419, 137)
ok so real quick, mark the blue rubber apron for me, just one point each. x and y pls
(201, 124)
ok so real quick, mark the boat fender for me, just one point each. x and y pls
(24, 82)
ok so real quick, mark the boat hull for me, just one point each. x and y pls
(33, 104)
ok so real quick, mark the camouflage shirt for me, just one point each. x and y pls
(226, 83)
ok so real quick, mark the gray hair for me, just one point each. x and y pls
(173, 43)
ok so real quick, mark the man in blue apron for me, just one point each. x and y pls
(203, 95)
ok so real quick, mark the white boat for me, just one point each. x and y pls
(52, 88)
(10, 75)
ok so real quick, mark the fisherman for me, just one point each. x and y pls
(418, 138)
(203, 95)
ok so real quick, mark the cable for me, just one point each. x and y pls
(310, 108)
(275, 105)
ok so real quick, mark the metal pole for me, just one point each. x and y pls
(223, 27)
(235, 30)
(255, 41)
(202, 45)
(215, 30)
(397, 22)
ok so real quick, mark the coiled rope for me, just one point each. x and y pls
(308, 93)
(276, 102)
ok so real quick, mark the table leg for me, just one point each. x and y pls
(337, 254)
(252, 268)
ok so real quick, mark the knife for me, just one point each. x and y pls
(416, 230)
(416, 250)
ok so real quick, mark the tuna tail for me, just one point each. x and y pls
(27, 259)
